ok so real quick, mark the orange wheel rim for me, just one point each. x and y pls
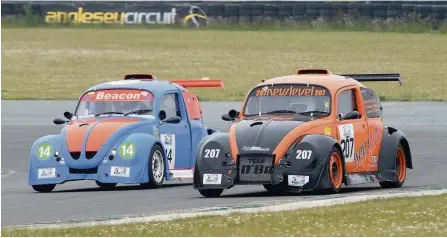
(401, 165)
(336, 170)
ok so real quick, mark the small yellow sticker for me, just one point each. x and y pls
(327, 131)
(326, 104)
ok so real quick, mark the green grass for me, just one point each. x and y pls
(417, 216)
(60, 63)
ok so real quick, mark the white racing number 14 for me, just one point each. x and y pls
(303, 154)
(212, 153)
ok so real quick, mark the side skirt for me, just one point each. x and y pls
(366, 177)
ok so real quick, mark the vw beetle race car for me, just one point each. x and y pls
(139, 130)
(312, 131)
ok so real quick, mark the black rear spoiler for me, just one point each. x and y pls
(375, 77)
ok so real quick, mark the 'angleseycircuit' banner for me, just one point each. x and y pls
(163, 14)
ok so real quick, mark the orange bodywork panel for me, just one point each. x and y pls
(100, 133)
(200, 83)
(192, 105)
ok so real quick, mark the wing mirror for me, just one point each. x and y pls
(351, 115)
(59, 121)
(162, 115)
(68, 115)
(230, 116)
(174, 119)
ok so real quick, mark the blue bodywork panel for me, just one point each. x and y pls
(51, 159)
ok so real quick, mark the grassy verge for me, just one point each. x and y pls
(417, 216)
(59, 63)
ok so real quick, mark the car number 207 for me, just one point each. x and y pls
(303, 154)
(212, 153)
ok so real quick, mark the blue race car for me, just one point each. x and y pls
(139, 130)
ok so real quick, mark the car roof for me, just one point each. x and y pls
(331, 81)
(155, 86)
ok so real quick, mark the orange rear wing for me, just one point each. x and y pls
(375, 77)
(200, 83)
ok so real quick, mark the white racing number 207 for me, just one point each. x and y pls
(303, 154)
(212, 153)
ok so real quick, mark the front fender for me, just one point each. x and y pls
(42, 153)
(213, 153)
(309, 155)
(391, 139)
(143, 144)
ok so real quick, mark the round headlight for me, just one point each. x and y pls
(56, 154)
(113, 152)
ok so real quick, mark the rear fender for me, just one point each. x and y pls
(392, 138)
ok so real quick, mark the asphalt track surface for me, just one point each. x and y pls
(25, 121)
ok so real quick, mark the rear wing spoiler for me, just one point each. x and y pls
(200, 83)
(186, 83)
(375, 77)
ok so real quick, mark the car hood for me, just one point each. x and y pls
(262, 136)
(92, 133)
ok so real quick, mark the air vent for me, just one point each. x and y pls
(90, 154)
(313, 71)
(75, 155)
(139, 77)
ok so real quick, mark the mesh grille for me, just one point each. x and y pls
(255, 168)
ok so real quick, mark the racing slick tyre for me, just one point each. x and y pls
(106, 186)
(335, 170)
(156, 168)
(211, 193)
(45, 188)
(401, 167)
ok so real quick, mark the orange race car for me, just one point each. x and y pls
(311, 131)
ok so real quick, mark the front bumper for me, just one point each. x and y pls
(104, 173)
(291, 178)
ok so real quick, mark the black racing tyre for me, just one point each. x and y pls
(401, 167)
(106, 186)
(44, 188)
(211, 193)
(335, 170)
(156, 168)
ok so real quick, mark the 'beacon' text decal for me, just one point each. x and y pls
(118, 95)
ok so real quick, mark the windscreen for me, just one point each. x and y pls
(295, 98)
(115, 102)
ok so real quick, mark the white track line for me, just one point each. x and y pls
(272, 208)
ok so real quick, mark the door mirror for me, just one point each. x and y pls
(352, 115)
(59, 121)
(174, 119)
(231, 115)
(68, 115)
(162, 115)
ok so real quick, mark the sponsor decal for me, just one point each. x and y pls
(117, 95)
(182, 173)
(327, 131)
(254, 148)
(168, 141)
(124, 18)
(291, 91)
(46, 173)
(212, 179)
(369, 145)
(194, 16)
(44, 151)
(256, 166)
(155, 131)
(297, 180)
(118, 171)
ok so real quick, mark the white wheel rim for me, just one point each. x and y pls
(157, 166)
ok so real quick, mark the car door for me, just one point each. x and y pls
(176, 137)
(352, 132)
(373, 111)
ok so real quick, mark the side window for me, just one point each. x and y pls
(169, 104)
(347, 102)
(372, 103)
